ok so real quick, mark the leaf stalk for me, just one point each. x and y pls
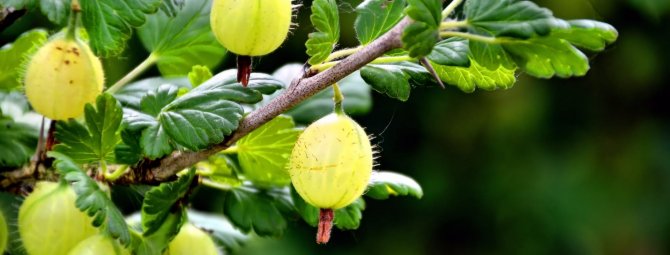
(133, 74)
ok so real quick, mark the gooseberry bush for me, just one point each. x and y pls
(279, 146)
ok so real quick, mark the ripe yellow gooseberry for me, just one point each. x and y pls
(192, 240)
(330, 166)
(49, 222)
(62, 77)
(331, 163)
(251, 27)
(99, 244)
(4, 233)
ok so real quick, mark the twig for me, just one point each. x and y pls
(165, 169)
(8, 16)
(298, 91)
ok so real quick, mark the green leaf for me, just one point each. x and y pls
(199, 75)
(221, 229)
(156, 242)
(97, 140)
(56, 10)
(358, 100)
(259, 84)
(8, 204)
(109, 23)
(476, 76)
(451, 52)
(263, 153)
(155, 142)
(129, 151)
(349, 217)
(258, 210)
(326, 19)
(420, 37)
(180, 42)
(17, 143)
(14, 56)
(546, 57)
(161, 200)
(490, 56)
(219, 169)
(92, 200)
(18, 4)
(201, 117)
(307, 212)
(153, 102)
(530, 37)
(376, 17)
(172, 7)
(396, 80)
(513, 18)
(587, 34)
(385, 184)
(131, 94)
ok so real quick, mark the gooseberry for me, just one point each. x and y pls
(330, 166)
(99, 244)
(62, 77)
(192, 240)
(4, 233)
(250, 28)
(49, 222)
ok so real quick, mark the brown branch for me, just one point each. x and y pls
(299, 90)
(164, 169)
(8, 16)
(20, 181)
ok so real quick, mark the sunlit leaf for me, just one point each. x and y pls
(376, 17)
(326, 19)
(180, 42)
(263, 153)
(95, 141)
(14, 55)
(396, 80)
(110, 23)
(386, 184)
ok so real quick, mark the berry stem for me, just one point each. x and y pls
(116, 174)
(231, 150)
(243, 69)
(148, 62)
(450, 8)
(381, 60)
(342, 53)
(326, 217)
(338, 98)
(449, 25)
(72, 22)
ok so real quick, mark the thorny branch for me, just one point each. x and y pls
(156, 171)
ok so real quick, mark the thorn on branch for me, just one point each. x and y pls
(424, 61)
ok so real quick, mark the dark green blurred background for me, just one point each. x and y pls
(562, 166)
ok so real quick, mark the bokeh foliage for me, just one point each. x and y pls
(576, 166)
